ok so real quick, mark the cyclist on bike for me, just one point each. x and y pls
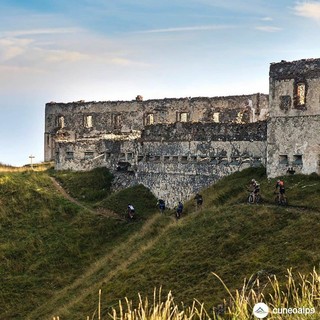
(256, 189)
(161, 205)
(179, 210)
(280, 185)
(199, 200)
(131, 211)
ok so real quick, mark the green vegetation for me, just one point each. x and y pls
(48, 242)
(88, 186)
(231, 238)
(55, 255)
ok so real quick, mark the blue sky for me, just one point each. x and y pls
(116, 49)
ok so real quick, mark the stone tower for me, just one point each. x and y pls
(293, 132)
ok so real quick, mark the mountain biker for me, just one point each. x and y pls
(179, 210)
(199, 200)
(161, 204)
(280, 185)
(131, 211)
(256, 189)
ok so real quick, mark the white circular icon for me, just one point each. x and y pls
(260, 310)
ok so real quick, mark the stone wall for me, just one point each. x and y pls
(176, 147)
(173, 160)
(294, 127)
(178, 160)
(293, 145)
(76, 121)
(286, 78)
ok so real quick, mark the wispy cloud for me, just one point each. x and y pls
(127, 62)
(11, 48)
(266, 19)
(46, 31)
(268, 28)
(310, 9)
(63, 56)
(185, 29)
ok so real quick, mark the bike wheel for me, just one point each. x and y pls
(284, 201)
(250, 199)
(258, 198)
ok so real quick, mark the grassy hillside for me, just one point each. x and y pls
(48, 242)
(89, 186)
(231, 238)
(68, 254)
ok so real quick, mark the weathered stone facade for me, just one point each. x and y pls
(176, 147)
(91, 122)
(294, 127)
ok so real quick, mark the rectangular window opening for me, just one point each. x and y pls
(285, 102)
(301, 91)
(88, 155)
(88, 121)
(297, 160)
(283, 159)
(149, 119)
(256, 161)
(183, 116)
(184, 159)
(57, 157)
(214, 160)
(108, 155)
(216, 117)
(235, 161)
(116, 120)
(223, 161)
(60, 122)
(69, 155)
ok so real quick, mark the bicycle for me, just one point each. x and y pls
(162, 208)
(254, 198)
(129, 215)
(280, 199)
(178, 214)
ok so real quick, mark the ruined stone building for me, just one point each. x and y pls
(294, 119)
(176, 147)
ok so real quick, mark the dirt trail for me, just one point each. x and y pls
(102, 270)
(98, 211)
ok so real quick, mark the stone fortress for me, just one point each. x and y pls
(176, 147)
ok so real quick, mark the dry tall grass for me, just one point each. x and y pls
(300, 292)
(36, 167)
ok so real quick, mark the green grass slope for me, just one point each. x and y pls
(231, 238)
(88, 186)
(56, 255)
(47, 242)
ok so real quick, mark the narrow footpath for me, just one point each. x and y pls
(99, 211)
